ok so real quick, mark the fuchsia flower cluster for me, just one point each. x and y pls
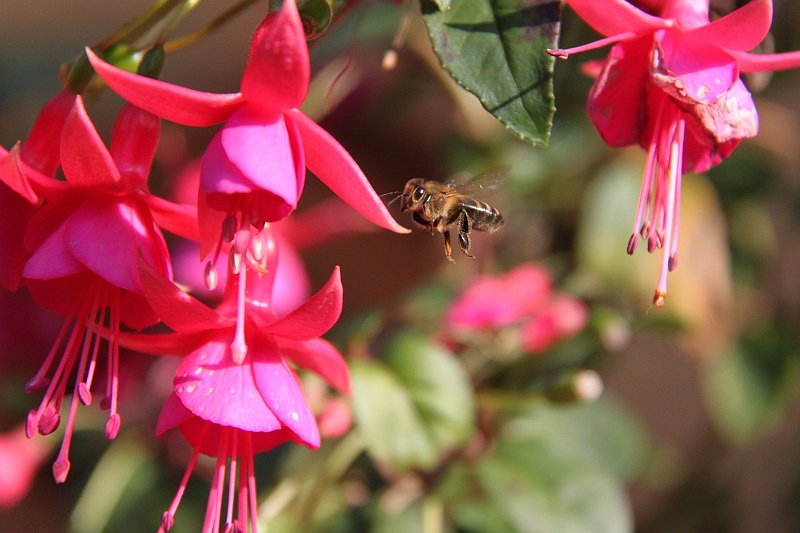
(522, 299)
(91, 248)
(671, 84)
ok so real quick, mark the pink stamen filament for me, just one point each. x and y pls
(676, 153)
(232, 477)
(167, 519)
(251, 481)
(564, 53)
(239, 345)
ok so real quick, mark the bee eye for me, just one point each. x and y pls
(418, 193)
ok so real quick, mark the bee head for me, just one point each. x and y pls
(413, 194)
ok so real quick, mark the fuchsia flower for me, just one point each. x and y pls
(255, 165)
(83, 243)
(234, 392)
(522, 298)
(671, 84)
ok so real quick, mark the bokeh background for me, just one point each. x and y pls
(703, 393)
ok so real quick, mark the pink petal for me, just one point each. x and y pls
(179, 219)
(616, 104)
(325, 221)
(209, 222)
(172, 414)
(177, 309)
(15, 212)
(319, 356)
(214, 388)
(691, 70)
(612, 17)
(61, 295)
(292, 286)
(260, 146)
(767, 62)
(279, 389)
(314, 317)
(213, 439)
(277, 73)
(13, 175)
(743, 29)
(133, 145)
(733, 116)
(108, 234)
(50, 216)
(52, 259)
(331, 163)
(172, 102)
(225, 187)
(84, 157)
(42, 147)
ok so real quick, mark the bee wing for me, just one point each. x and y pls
(488, 180)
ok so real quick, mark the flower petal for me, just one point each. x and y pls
(161, 343)
(179, 219)
(766, 62)
(331, 163)
(279, 388)
(172, 102)
(691, 70)
(321, 357)
(13, 175)
(52, 258)
(225, 187)
(260, 146)
(617, 101)
(214, 388)
(177, 309)
(612, 17)
(42, 146)
(172, 414)
(733, 116)
(742, 29)
(107, 235)
(133, 145)
(84, 157)
(136, 312)
(314, 317)
(277, 73)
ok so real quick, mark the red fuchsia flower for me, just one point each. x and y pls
(254, 168)
(83, 243)
(235, 393)
(671, 83)
(523, 298)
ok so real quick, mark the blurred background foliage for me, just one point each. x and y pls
(698, 427)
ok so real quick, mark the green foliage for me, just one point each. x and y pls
(413, 406)
(497, 51)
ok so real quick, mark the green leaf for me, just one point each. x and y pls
(749, 391)
(414, 407)
(497, 51)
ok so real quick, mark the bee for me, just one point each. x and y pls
(441, 206)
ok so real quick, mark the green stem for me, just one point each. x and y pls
(432, 515)
(191, 38)
(139, 25)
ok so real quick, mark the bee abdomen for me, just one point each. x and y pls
(483, 216)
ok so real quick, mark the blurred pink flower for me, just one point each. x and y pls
(256, 163)
(83, 244)
(671, 83)
(522, 298)
(19, 461)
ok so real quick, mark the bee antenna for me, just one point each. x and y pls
(388, 193)
(393, 200)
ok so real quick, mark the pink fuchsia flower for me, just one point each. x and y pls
(255, 166)
(523, 299)
(235, 383)
(671, 83)
(82, 242)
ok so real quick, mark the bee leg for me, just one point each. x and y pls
(447, 247)
(463, 236)
(421, 221)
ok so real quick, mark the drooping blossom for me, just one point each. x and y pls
(83, 244)
(523, 299)
(671, 84)
(254, 169)
(235, 393)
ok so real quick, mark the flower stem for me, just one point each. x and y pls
(189, 39)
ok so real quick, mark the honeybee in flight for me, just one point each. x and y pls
(439, 206)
